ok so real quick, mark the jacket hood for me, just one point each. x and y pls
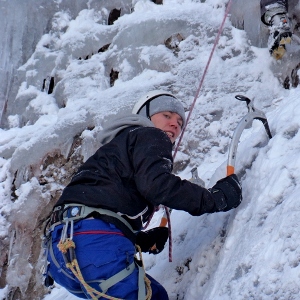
(119, 122)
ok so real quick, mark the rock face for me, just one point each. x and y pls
(33, 59)
(24, 251)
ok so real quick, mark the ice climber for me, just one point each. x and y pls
(274, 15)
(97, 223)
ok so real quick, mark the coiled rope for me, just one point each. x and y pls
(67, 244)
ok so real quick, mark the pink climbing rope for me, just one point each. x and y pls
(190, 112)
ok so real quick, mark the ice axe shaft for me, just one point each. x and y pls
(253, 114)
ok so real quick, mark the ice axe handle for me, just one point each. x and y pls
(163, 222)
(230, 170)
(164, 219)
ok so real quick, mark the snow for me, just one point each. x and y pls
(250, 252)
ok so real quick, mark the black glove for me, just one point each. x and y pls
(153, 240)
(227, 193)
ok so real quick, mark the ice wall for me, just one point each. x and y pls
(22, 23)
(47, 136)
(246, 15)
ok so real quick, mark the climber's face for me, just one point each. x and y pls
(170, 122)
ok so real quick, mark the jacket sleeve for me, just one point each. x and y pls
(153, 163)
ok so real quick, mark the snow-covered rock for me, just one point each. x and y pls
(99, 69)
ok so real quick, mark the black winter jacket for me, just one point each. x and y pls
(131, 175)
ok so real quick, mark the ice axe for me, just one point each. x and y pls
(253, 114)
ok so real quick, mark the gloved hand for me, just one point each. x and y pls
(153, 240)
(227, 193)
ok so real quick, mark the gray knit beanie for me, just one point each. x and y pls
(163, 103)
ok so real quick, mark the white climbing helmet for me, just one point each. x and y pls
(157, 101)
